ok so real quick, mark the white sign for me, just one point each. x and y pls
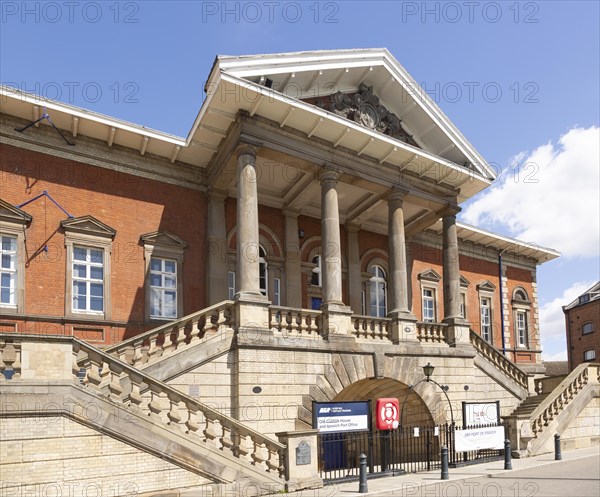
(332, 417)
(479, 438)
(481, 414)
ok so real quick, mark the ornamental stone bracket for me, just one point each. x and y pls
(364, 108)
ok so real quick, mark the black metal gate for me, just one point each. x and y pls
(405, 450)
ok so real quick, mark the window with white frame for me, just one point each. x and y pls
(378, 292)
(521, 324)
(87, 280)
(13, 223)
(277, 291)
(163, 254)
(587, 328)
(316, 271)
(486, 318)
(463, 305)
(231, 284)
(163, 288)
(589, 355)
(429, 305)
(263, 274)
(8, 272)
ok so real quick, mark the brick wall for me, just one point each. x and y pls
(578, 343)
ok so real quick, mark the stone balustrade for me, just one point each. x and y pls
(489, 352)
(428, 332)
(562, 395)
(371, 328)
(165, 339)
(10, 359)
(295, 322)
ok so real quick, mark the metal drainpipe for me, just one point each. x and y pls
(501, 301)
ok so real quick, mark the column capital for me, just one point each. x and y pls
(353, 227)
(246, 149)
(450, 211)
(216, 194)
(289, 212)
(329, 174)
(396, 197)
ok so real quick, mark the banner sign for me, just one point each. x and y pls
(477, 414)
(331, 417)
(479, 438)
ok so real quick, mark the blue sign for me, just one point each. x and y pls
(331, 417)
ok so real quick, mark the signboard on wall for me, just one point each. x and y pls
(332, 417)
(479, 438)
(388, 414)
(481, 413)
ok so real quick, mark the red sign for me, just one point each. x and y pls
(388, 414)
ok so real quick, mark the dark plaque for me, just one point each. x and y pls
(302, 454)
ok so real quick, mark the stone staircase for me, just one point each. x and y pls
(162, 422)
(529, 405)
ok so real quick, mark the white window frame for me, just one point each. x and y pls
(231, 284)
(75, 237)
(166, 246)
(463, 305)
(162, 290)
(263, 271)
(317, 271)
(379, 283)
(486, 327)
(591, 328)
(430, 281)
(13, 223)
(11, 254)
(276, 291)
(591, 357)
(521, 328)
(521, 316)
(428, 299)
(88, 264)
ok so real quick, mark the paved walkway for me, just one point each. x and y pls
(577, 475)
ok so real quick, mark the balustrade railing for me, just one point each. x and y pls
(10, 359)
(371, 328)
(490, 353)
(174, 335)
(429, 332)
(296, 322)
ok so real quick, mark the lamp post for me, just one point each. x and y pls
(428, 372)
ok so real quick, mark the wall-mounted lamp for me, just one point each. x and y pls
(301, 233)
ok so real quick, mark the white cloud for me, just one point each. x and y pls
(551, 198)
(552, 322)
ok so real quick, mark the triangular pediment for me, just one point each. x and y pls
(163, 238)
(88, 225)
(486, 286)
(11, 214)
(464, 282)
(430, 275)
(329, 77)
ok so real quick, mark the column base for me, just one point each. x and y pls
(251, 310)
(337, 321)
(404, 327)
(458, 331)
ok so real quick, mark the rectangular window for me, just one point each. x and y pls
(363, 303)
(486, 319)
(589, 355)
(276, 291)
(8, 272)
(587, 328)
(163, 288)
(522, 328)
(428, 305)
(88, 279)
(231, 284)
(463, 306)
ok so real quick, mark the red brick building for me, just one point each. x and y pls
(355, 182)
(582, 319)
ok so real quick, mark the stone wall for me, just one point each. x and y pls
(583, 431)
(57, 456)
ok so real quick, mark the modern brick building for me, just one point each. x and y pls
(582, 320)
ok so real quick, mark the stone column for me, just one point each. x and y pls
(293, 266)
(354, 272)
(217, 248)
(458, 329)
(336, 316)
(252, 308)
(404, 328)
(330, 239)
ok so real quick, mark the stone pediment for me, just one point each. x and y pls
(163, 238)
(13, 215)
(364, 108)
(486, 286)
(88, 225)
(430, 275)
(464, 282)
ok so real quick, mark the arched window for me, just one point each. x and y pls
(315, 279)
(263, 274)
(378, 292)
(521, 311)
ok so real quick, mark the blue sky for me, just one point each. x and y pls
(519, 79)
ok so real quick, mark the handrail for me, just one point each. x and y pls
(561, 396)
(371, 327)
(174, 334)
(488, 351)
(432, 332)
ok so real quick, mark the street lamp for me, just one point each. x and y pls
(428, 370)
